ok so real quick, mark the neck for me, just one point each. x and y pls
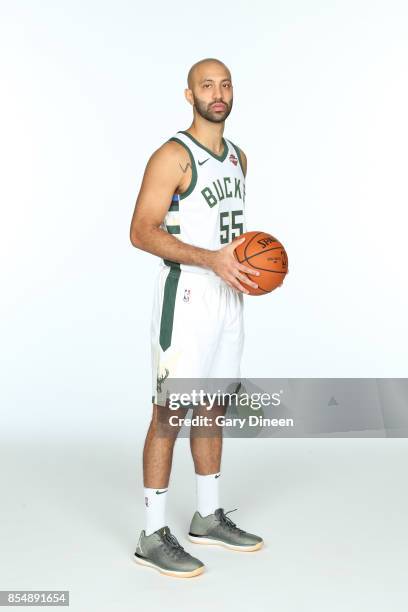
(208, 133)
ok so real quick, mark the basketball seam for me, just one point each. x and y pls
(262, 252)
(264, 269)
(255, 268)
(253, 238)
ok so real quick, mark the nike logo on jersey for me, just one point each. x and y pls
(203, 162)
(161, 492)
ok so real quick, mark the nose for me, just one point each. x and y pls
(217, 93)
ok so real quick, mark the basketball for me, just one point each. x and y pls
(266, 254)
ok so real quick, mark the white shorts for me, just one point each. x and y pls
(197, 328)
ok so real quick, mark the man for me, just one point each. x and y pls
(189, 210)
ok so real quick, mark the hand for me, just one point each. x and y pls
(226, 266)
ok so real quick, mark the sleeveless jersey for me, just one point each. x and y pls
(211, 213)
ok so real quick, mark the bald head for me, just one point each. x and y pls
(209, 90)
(199, 70)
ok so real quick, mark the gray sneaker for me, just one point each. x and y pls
(162, 551)
(218, 529)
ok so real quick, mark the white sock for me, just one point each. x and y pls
(155, 506)
(207, 493)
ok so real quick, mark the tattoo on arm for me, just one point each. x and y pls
(186, 168)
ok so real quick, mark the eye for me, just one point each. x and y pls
(207, 85)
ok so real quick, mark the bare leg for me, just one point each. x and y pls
(206, 442)
(158, 447)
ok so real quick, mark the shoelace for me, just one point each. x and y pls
(172, 545)
(225, 520)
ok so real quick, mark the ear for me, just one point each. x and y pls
(188, 94)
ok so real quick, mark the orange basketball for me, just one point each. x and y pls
(266, 254)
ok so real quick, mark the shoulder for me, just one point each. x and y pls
(171, 150)
(242, 157)
(168, 160)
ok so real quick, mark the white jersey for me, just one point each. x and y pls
(211, 213)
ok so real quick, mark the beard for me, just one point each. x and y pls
(205, 111)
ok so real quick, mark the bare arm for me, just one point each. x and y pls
(244, 161)
(165, 173)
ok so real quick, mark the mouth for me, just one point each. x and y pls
(218, 106)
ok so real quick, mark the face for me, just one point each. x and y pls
(212, 94)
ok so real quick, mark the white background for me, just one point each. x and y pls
(88, 91)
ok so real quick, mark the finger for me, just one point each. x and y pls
(236, 242)
(247, 281)
(246, 270)
(237, 285)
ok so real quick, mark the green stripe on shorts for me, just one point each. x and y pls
(173, 229)
(169, 302)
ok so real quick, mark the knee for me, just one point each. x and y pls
(165, 423)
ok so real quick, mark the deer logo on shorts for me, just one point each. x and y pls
(187, 295)
(161, 379)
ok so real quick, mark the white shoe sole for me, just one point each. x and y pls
(212, 542)
(146, 563)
